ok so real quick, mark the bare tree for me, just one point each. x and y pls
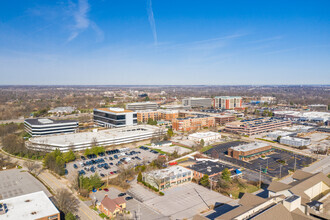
(157, 181)
(65, 201)
(32, 166)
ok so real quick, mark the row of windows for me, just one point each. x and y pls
(112, 116)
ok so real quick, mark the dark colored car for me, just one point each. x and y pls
(128, 198)
(83, 158)
(121, 194)
(75, 166)
(106, 189)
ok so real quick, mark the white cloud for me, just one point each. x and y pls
(82, 22)
(152, 21)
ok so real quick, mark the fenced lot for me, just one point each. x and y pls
(107, 164)
(276, 164)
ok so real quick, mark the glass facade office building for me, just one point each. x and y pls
(114, 117)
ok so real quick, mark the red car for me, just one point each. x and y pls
(111, 173)
(106, 189)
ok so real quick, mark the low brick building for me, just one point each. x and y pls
(193, 123)
(249, 151)
(112, 207)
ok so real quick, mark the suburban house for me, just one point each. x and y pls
(112, 207)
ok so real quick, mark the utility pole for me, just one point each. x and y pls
(295, 162)
(280, 171)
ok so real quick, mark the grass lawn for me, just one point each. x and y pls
(206, 148)
(183, 159)
(237, 190)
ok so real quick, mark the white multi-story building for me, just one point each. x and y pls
(275, 134)
(295, 141)
(227, 102)
(114, 117)
(198, 102)
(45, 126)
(142, 106)
(83, 140)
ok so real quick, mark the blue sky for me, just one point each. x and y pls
(172, 42)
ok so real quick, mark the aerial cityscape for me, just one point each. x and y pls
(155, 110)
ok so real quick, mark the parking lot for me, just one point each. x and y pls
(279, 162)
(108, 163)
(171, 149)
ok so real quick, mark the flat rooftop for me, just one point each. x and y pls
(281, 133)
(250, 146)
(14, 183)
(142, 103)
(114, 110)
(29, 206)
(168, 172)
(47, 121)
(204, 134)
(294, 138)
(208, 167)
(64, 140)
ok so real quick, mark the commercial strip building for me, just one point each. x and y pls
(206, 136)
(111, 207)
(318, 107)
(114, 117)
(166, 115)
(29, 207)
(167, 178)
(142, 106)
(249, 151)
(45, 126)
(198, 102)
(83, 140)
(193, 123)
(62, 110)
(275, 134)
(295, 141)
(256, 126)
(314, 117)
(227, 102)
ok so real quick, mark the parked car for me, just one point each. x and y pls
(121, 194)
(75, 166)
(106, 189)
(128, 198)
(83, 158)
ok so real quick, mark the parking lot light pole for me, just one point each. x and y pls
(280, 171)
(295, 162)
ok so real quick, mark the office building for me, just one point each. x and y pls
(193, 123)
(167, 178)
(198, 102)
(299, 129)
(223, 119)
(45, 126)
(114, 117)
(256, 126)
(29, 206)
(142, 106)
(83, 140)
(249, 151)
(166, 115)
(227, 102)
(295, 141)
(268, 99)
